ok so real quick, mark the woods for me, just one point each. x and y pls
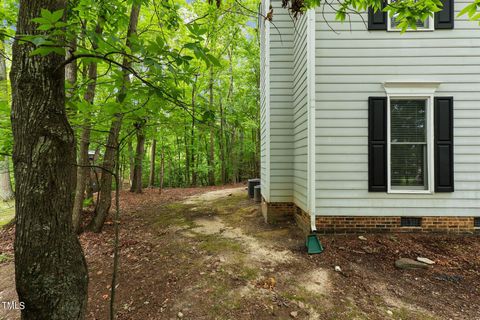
(117, 95)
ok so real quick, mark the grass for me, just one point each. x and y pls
(4, 258)
(7, 212)
(215, 244)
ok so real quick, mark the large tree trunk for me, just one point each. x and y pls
(137, 172)
(50, 270)
(109, 163)
(153, 151)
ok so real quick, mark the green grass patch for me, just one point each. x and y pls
(214, 244)
(173, 215)
(5, 257)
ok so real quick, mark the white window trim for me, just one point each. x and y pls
(431, 26)
(430, 142)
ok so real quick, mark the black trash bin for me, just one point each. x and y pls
(251, 185)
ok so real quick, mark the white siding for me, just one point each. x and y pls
(276, 108)
(350, 67)
(300, 113)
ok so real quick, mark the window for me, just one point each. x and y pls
(392, 24)
(410, 139)
(409, 144)
(444, 19)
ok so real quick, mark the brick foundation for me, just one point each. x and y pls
(357, 224)
(275, 212)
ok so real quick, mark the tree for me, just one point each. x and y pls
(6, 192)
(112, 146)
(50, 269)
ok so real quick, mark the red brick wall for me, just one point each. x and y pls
(356, 224)
(274, 212)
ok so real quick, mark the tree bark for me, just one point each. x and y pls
(153, 151)
(50, 269)
(109, 163)
(137, 172)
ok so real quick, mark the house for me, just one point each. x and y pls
(364, 128)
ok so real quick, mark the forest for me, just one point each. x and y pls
(127, 127)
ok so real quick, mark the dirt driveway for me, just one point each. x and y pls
(207, 254)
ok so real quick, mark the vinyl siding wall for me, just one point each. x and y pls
(300, 113)
(279, 109)
(350, 67)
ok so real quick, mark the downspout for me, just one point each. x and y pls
(311, 117)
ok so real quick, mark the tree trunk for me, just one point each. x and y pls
(211, 151)
(153, 151)
(109, 163)
(187, 156)
(192, 134)
(83, 170)
(50, 269)
(137, 172)
(221, 144)
(131, 160)
(6, 192)
(162, 168)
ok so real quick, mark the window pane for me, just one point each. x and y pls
(408, 120)
(419, 23)
(408, 166)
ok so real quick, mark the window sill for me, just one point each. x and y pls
(410, 192)
(411, 30)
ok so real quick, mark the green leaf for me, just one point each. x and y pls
(45, 27)
(57, 15)
(41, 20)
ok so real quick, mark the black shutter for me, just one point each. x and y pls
(444, 144)
(377, 20)
(444, 19)
(377, 144)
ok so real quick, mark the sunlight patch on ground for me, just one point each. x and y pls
(213, 195)
(258, 252)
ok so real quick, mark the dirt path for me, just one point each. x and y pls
(207, 254)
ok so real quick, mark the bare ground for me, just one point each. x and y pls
(207, 254)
